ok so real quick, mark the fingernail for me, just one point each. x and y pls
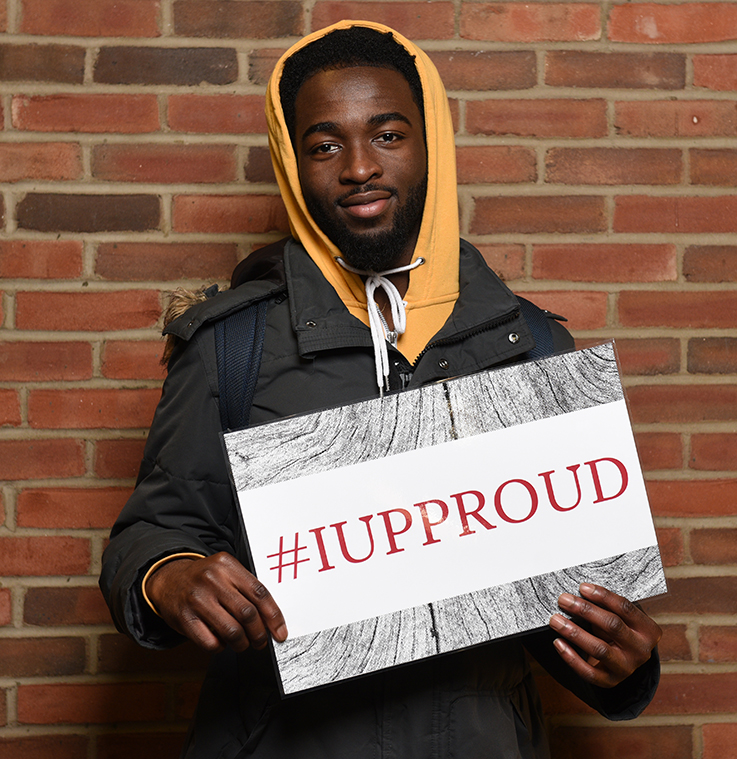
(566, 599)
(557, 622)
(586, 587)
(560, 645)
(281, 633)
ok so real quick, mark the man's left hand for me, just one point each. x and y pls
(621, 636)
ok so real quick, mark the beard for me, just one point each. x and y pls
(373, 251)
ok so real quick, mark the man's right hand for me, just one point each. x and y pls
(215, 602)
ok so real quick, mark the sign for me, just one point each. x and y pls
(442, 517)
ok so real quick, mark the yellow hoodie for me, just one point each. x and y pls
(433, 287)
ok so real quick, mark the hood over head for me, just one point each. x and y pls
(433, 287)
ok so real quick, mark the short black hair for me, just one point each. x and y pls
(346, 48)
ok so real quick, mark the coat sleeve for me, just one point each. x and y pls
(183, 499)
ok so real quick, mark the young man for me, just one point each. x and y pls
(373, 293)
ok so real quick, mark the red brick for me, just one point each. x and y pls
(659, 450)
(415, 20)
(718, 644)
(486, 69)
(118, 459)
(537, 118)
(74, 508)
(714, 546)
(261, 63)
(605, 262)
(710, 263)
(695, 498)
(9, 408)
(667, 24)
(52, 704)
(3, 708)
(258, 167)
(714, 167)
(695, 694)
(127, 309)
(696, 595)
(719, 740)
(712, 355)
(670, 541)
(715, 72)
(582, 309)
(612, 166)
(603, 742)
(41, 657)
(533, 214)
(40, 160)
(217, 114)
(38, 362)
(91, 18)
(533, 22)
(714, 451)
(42, 63)
(682, 403)
(229, 213)
(653, 308)
(140, 745)
(3, 22)
(40, 259)
(6, 607)
(508, 261)
(676, 118)
(495, 164)
(96, 113)
(117, 653)
(649, 356)
(641, 71)
(44, 556)
(90, 409)
(44, 746)
(164, 163)
(674, 645)
(146, 262)
(252, 20)
(33, 459)
(53, 607)
(133, 359)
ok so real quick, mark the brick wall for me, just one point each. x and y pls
(598, 174)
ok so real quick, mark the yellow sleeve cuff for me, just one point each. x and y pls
(155, 566)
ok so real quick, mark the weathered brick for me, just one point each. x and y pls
(714, 451)
(141, 745)
(682, 403)
(633, 742)
(258, 166)
(3, 28)
(500, 164)
(714, 546)
(42, 63)
(652, 308)
(261, 63)
(712, 355)
(532, 214)
(715, 72)
(53, 607)
(180, 66)
(125, 114)
(695, 694)
(44, 746)
(693, 498)
(74, 508)
(221, 18)
(9, 408)
(710, 263)
(714, 167)
(675, 23)
(217, 114)
(696, 595)
(582, 309)
(415, 20)
(40, 160)
(670, 542)
(43, 361)
(673, 215)
(118, 459)
(659, 450)
(486, 69)
(40, 259)
(507, 260)
(674, 645)
(95, 703)
(229, 213)
(719, 740)
(117, 653)
(41, 556)
(144, 262)
(718, 644)
(649, 356)
(6, 607)
(133, 359)
(127, 309)
(91, 18)
(41, 657)
(164, 163)
(612, 166)
(676, 118)
(533, 22)
(537, 118)
(608, 262)
(33, 459)
(648, 71)
(86, 408)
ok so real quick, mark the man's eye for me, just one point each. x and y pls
(324, 148)
(389, 137)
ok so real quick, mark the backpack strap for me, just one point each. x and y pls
(537, 321)
(239, 342)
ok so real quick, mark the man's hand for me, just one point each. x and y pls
(622, 636)
(215, 602)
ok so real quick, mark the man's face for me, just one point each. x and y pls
(362, 163)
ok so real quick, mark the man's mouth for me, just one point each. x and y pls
(366, 205)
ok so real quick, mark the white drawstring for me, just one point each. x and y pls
(379, 329)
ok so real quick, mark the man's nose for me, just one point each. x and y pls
(360, 165)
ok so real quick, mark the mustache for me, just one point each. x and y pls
(363, 189)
